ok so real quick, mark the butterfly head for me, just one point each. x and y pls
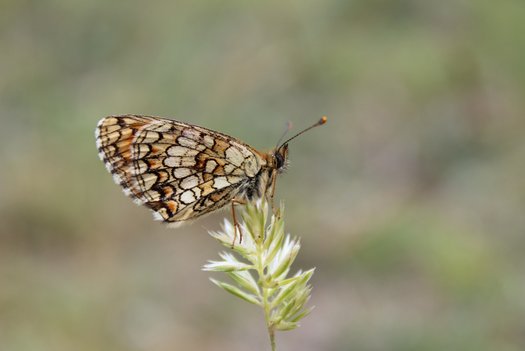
(281, 158)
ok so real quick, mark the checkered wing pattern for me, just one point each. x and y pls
(178, 170)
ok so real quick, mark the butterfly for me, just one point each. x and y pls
(182, 171)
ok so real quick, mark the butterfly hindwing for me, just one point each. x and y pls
(178, 170)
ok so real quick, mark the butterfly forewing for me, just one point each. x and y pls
(180, 171)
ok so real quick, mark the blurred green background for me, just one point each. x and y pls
(410, 201)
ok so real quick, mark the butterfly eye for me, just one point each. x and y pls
(279, 160)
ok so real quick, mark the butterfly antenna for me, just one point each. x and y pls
(317, 124)
(288, 128)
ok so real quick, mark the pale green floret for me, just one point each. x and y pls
(260, 274)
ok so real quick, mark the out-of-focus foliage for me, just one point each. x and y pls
(410, 201)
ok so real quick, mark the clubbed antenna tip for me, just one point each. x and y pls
(319, 123)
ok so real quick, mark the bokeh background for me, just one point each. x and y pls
(410, 201)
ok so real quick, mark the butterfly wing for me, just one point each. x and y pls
(178, 170)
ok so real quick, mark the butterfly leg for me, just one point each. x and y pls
(272, 190)
(236, 225)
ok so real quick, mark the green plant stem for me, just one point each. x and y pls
(263, 281)
(272, 338)
(267, 316)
